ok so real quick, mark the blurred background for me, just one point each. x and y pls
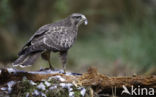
(120, 38)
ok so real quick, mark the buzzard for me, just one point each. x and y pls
(55, 37)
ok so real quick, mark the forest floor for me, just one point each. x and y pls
(48, 83)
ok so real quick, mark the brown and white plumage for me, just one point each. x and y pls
(56, 37)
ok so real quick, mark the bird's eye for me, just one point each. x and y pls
(77, 17)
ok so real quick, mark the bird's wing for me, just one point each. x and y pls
(38, 33)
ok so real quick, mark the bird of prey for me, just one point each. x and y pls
(54, 37)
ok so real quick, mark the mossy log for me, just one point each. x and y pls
(99, 84)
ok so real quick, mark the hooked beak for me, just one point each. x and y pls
(85, 20)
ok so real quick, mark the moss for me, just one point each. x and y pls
(22, 88)
(54, 81)
(58, 92)
(77, 94)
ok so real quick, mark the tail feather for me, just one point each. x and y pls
(26, 60)
(30, 59)
(19, 60)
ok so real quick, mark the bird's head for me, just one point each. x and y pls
(77, 19)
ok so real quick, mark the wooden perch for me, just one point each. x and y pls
(92, 77)
(99, 82)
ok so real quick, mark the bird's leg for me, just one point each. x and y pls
(46, 56)
(63, 56)
(50, 65)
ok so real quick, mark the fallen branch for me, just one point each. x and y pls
(100, 83)
(92, 77)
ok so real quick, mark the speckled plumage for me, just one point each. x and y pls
(56, 37)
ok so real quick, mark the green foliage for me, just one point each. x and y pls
(5, 12)
(61, 6)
